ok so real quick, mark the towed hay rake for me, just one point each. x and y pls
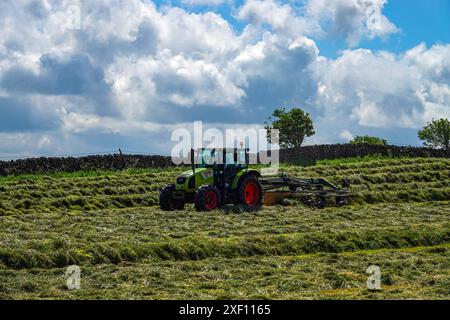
(309, 191)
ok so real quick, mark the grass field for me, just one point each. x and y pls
(109, 224)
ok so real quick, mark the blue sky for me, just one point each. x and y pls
(79, 77)
(419, 21)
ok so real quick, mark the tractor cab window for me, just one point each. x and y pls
(229, 158)
(209, 157)
(236, 157)
(241, 156)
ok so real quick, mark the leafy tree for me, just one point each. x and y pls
(369, 140)
(436, 134)
(293, 125)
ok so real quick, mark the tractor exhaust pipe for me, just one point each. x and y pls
(192, 161)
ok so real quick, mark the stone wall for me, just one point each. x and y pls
(104, 162)
(118, 162)
(334, 151)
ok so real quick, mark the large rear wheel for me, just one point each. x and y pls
(167, 201)
(207, 198)
(250, 194)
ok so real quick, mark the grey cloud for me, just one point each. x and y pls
(143, 42)
(73, 76)
(346, 21)
(350, 19)
(36, 9)
(146, 39)
(285, 78)
(170, 83)
(20, 115)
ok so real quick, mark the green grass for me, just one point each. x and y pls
(367, 158)
(109, 224)
(406, 274)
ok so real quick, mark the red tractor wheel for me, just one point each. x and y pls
(250, 194)
(207, 198)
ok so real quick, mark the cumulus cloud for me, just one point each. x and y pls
(132, 71)
(350, 19)
(382, 90)
(57, 76)
(280, 17)
(433, 63)
(192, 82)
(276, 71)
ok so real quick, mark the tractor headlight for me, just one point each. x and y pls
(181, 180)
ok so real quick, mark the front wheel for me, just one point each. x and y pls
(166, 200)
(207, 198)
(250, 194)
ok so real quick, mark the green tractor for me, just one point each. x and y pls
(218, 177)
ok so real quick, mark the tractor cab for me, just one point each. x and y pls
(216, 178)
(224, 163)
(212, 157)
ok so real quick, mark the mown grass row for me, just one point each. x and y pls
(90, 203)
(40, 231)
(412, 273)
(334, 170)
(59, 254)
(98, 179)
(403, 180)
(374, 162)
(417, 193)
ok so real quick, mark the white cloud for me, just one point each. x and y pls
(346, 135)
(382, 90)
(350, 19)
(433, 63)
(44, 142)
(369, 114)
(266, 11)
(281, 17)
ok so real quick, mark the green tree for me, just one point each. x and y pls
(293, 125)
(369, 140)
(436, 134)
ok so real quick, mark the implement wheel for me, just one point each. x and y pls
(207, 198)
(320, 202)
(166, 201)
(341, 201)
(250, 194)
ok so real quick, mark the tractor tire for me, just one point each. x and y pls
(207, 198)
(250, 193)
(166, 201)
(320, 202)
(341, 201)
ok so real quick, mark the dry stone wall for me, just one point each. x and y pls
(118, 162)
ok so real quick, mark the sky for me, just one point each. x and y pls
(88, 77)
